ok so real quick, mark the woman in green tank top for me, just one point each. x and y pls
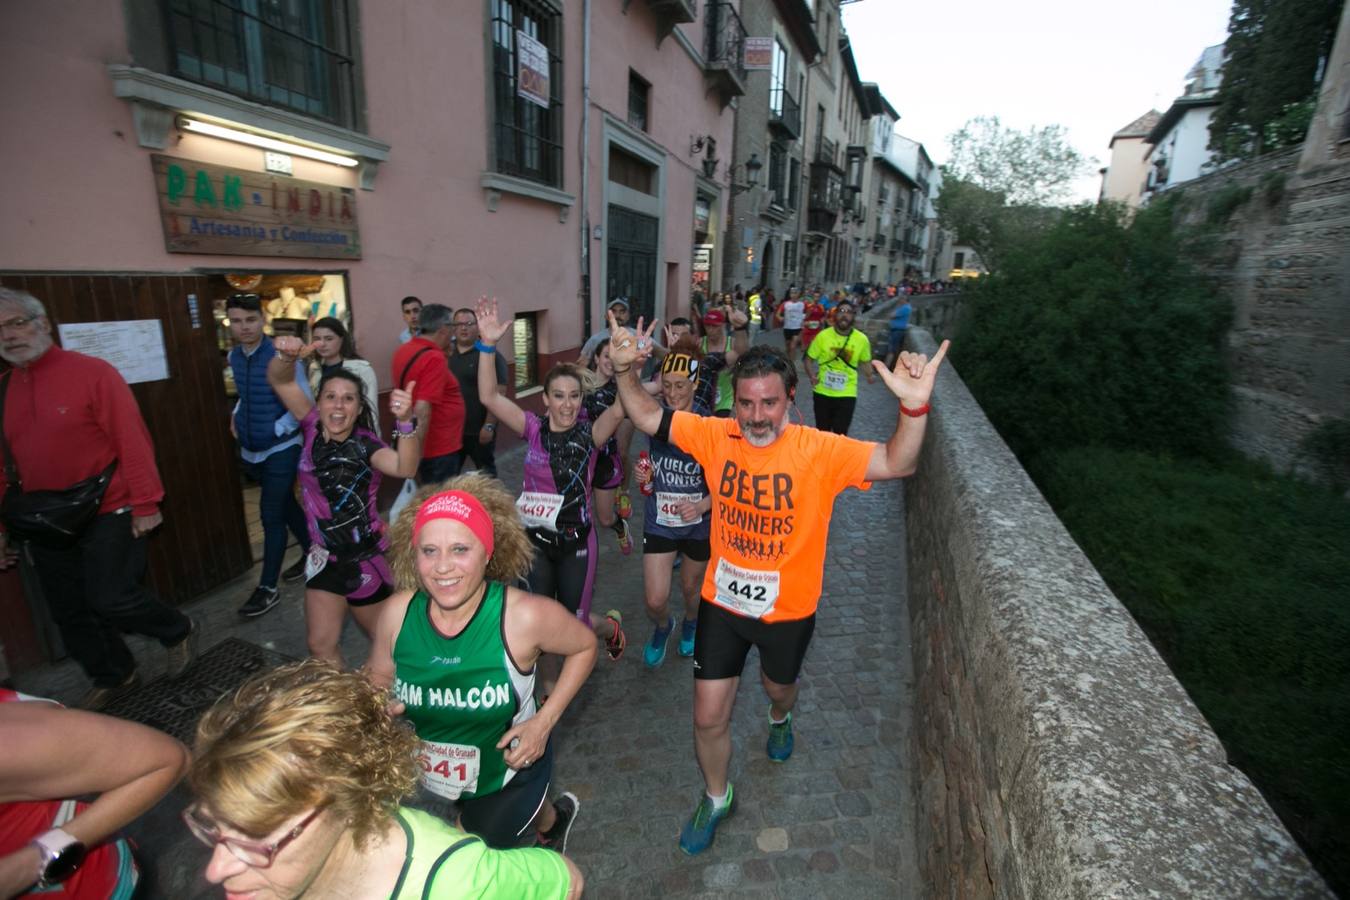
(457, 647)
(298, 779)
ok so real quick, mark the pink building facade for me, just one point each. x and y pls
(421, 96)
(551, 153)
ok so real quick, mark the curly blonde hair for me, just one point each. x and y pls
(512, 551)
(303, 736)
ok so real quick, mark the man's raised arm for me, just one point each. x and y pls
(627, 351)
(912, 383)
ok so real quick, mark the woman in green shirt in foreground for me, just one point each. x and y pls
(298, 779)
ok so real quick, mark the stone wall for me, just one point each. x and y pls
(1283, 255)
(1057, 755)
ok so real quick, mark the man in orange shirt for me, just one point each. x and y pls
(773, 486)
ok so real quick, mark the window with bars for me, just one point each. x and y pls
(525, 344)
(777, 174)
(295, 54)
(794, 183)
(789, 256)
(639, 91)
(527, 135)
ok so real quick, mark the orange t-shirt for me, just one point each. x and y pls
(771, 511)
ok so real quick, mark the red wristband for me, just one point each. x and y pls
(915, 413)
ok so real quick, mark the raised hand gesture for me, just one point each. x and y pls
(401, 402)
(626, 348)
(490, 329)
(913, 376)
(292, 347)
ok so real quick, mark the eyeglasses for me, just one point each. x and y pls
(468, 324)
(255, 854)
(16, 324)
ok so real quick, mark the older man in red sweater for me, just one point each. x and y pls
(67, 416)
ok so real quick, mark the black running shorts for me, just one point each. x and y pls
(697, 549)
(723, 639)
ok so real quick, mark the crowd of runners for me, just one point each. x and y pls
(427, 770)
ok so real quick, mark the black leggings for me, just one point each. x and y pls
(564, 569)
(834, 413)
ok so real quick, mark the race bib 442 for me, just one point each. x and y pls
(750, 592)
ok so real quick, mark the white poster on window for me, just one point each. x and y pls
(758, 53)
(135, 349)
(531, 69)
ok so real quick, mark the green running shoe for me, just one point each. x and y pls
(780, 739)
(699, 832)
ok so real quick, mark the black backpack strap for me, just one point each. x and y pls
(403, 379)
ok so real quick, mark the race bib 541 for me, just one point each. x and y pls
(448, 769)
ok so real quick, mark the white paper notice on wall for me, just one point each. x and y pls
(135, 348)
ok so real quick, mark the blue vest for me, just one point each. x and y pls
(259, 405)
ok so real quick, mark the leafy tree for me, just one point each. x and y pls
(1095, 333)
(1035, 167)
(1001, 184)
(1274, 59)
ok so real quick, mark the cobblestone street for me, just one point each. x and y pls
(835, 821)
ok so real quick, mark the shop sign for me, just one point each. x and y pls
(233, 212)
(702, 257)
(702, 214)
(758, 53)
(532, 69)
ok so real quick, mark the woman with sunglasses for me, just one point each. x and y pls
(298, 779)
(460, 647)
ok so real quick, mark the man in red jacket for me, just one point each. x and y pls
(423, 363)
(66, 417)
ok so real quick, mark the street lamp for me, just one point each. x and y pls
(752, 167)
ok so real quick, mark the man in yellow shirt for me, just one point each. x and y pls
(836, 358)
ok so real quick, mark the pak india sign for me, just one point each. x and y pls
(215, 210)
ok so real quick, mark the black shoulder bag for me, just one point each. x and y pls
(48, 517)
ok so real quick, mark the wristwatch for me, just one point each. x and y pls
(61, 856)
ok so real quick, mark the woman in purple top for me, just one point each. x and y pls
(555, 503)
(340, 467)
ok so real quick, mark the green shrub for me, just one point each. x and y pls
(1272, 187)
(1226, 201)
(1239, 578)
(1097, 333)
(1328, 447)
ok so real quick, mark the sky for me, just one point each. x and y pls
(1089, 65)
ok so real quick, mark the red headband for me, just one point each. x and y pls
(460, 507)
